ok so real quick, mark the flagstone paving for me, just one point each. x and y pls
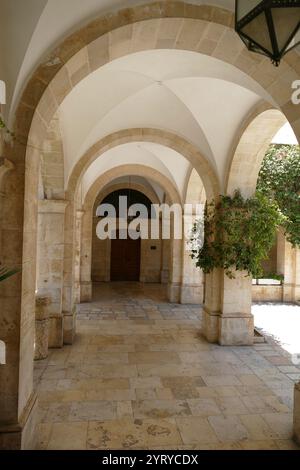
(141, 376)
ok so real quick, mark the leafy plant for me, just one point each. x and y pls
(277, 277)
(279, 180)
(238, 234)
(6, 273)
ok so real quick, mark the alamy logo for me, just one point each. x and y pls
(296, 93)
(162, 221)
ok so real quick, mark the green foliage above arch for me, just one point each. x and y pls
(279, 180)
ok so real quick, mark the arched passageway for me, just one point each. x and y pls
(154, 64)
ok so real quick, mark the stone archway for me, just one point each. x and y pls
(124, 260)
(230, 299)
(157, 25)
(89, 203)
(251, 149)
(165, 138)
(83, 289)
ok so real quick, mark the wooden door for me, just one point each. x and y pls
(125, 260)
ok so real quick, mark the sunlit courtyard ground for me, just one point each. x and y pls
(282, 323)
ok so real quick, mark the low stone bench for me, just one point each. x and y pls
(41, 328)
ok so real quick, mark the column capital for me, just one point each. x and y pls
(52, 206)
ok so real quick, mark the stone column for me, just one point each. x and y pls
(192, 277)
(41, 342)
(288, 264)
(212, 306)
(165, 255)
(88, 227)
(18, 402)
(175, 275)
(50, 260)
(227, 311)
(5, 166)
(236, 324)
(297, 413)
(78, 237)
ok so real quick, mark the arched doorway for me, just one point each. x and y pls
(125, 259)
(118, 257)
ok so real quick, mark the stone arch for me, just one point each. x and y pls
(83, 290)
(165, 138)
(134, 185)
(156, 25)
(158, 136)
(192, 289)
(251, 149)
(195, 191)
(148, 192)
(89, 203)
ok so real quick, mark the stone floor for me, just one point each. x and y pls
(141, 376)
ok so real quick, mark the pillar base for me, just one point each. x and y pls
(174, 293)
(210, 325)
(191, 294)
(86, 291)
(69, 326)
(236, 330)
(56, 331)
(297, 413)
(22, 435)
(41, 339)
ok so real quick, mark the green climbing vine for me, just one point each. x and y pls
(238, 234)
(279, 180)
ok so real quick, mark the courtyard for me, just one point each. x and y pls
(140, 376)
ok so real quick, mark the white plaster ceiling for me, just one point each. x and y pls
(31, 28)
(157, 157)
(195, 96)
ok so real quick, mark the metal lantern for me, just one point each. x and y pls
(269, 27)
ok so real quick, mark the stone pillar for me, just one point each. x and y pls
(78, 236)
(88, 226)
(50, 260)
(236, 324)
(192, 277)
(175, 276)
(18, 402)
(288, 264)
(212, 306)
(5, 167)
(41, 328)
(297, 413)
(165, 255)
(227, 314)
